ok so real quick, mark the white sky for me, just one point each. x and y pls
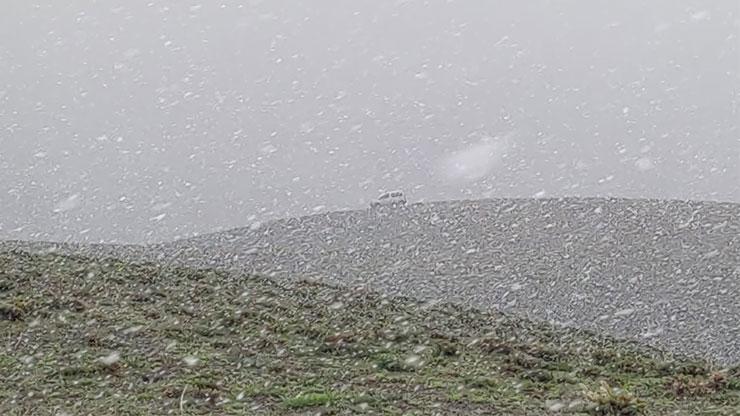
(135, 121)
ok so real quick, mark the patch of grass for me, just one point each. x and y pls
(609, 400)
(76, 372)
(389, 362)
(691, 385)
(303, 400)
(11, 311)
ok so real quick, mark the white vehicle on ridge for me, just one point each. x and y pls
(393, 198)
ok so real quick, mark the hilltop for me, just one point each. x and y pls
(665, 273)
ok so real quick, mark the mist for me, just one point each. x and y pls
(136, 122)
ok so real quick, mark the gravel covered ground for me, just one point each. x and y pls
(663, 272)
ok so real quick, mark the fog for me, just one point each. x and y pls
(132, 121)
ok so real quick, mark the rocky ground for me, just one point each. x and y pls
(662, 272)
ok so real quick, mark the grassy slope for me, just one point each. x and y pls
(191, 342)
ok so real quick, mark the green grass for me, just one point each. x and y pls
(309, 400)
(108, 337)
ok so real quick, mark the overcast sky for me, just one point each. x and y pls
(139, 121)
